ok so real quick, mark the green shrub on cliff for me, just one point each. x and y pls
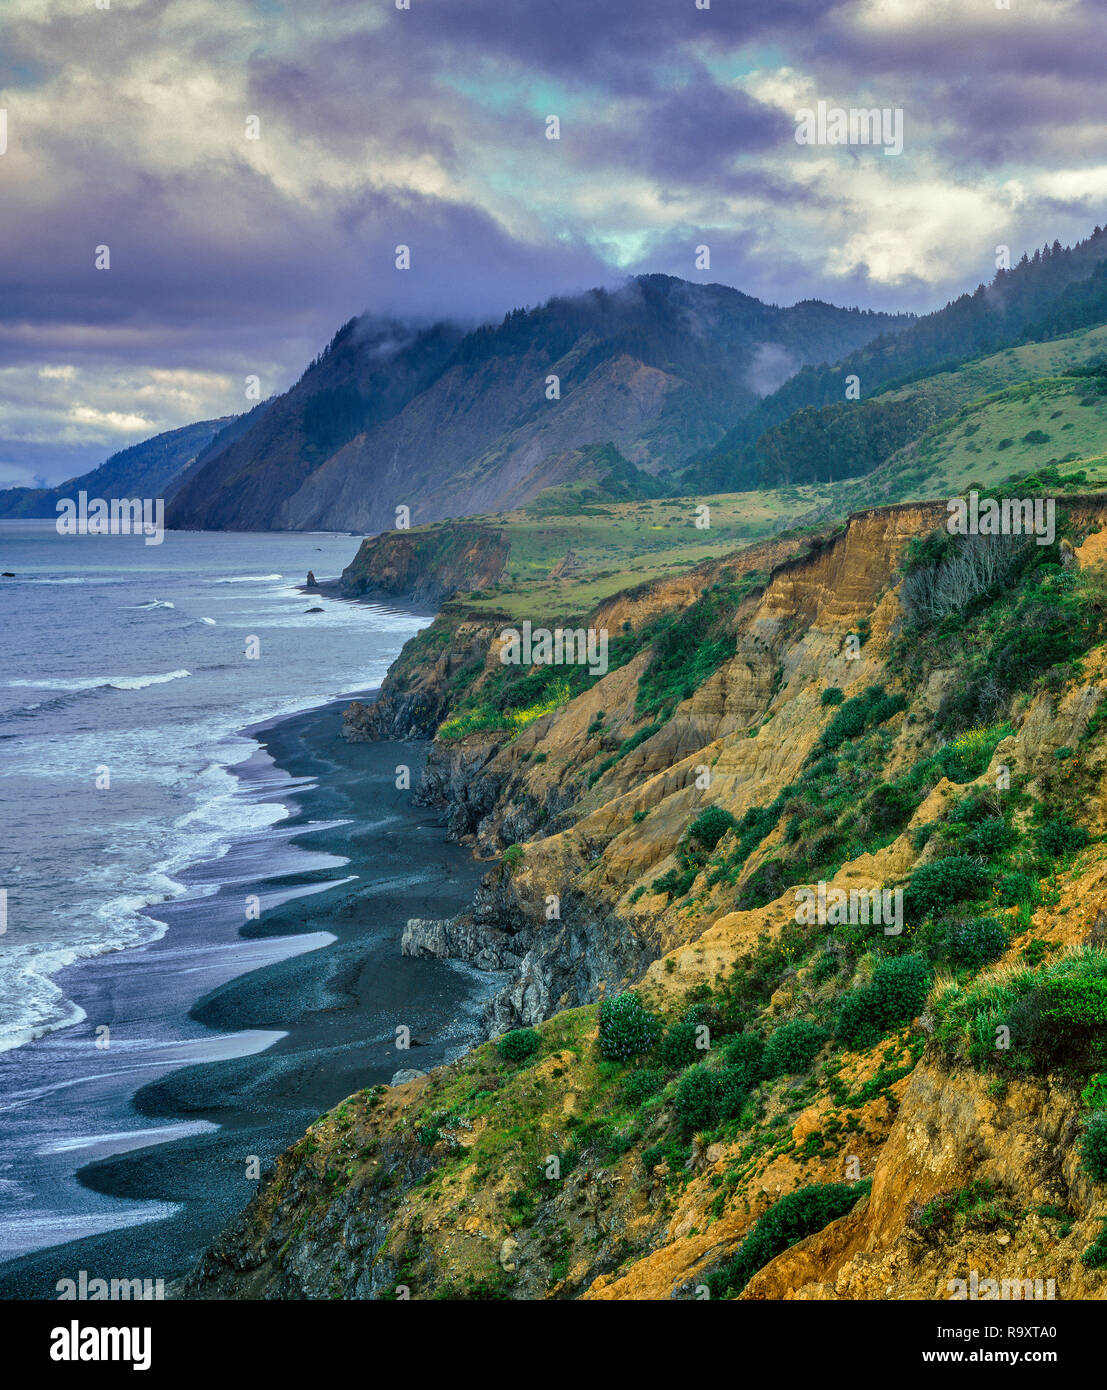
(799, 1214)
(691, 645)
(854, 717)
(705, 1097)
(1095, 1257)
(1063, 1021)
(678, 1047)
(792, 1048)
(1058, 838)
(1093, 1147)
(627, 1030)
(696, 844)
(708, 828)
(967, 756)
(519, 1044)
(641, 1085)
(745, 1050)
(976, 942)
(1094, 1094)
(938, 885)
(1034, 1021)
(896, 993)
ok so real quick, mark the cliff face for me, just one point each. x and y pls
(752, 724)
(950, 1133)
(823, 746)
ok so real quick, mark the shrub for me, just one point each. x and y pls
(976, 942)
(1055, 1015)
(895, 995)
(827, 964)
(1093, 1147)
(1015, 888)
(676, 882)
(964, 758)
(853, 717)
(885, 707)
(709, 827)
(519, 1044)
(678, 1046)
(627, 1030)
(1095, 1257)
(1063, 1021)
(699, 1098)
(1059, 837)
(641, 1084)
(745, 1051)
(704, 1097)
(989, 838)
(832, 695)
(937, 885)
(979, 1206)
(1094, 1094)
(799, 1214)
(766, 882)
(890, 806)
(736, 1083)
(792, 1048)
(856, 1022)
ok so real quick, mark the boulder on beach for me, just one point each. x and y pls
(406, 1074)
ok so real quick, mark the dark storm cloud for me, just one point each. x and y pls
(584, 39)
(695, 134)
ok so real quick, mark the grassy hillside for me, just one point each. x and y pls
(1056, 424)
(568, 550)
(601, 549)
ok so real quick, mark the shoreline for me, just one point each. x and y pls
(349, 865)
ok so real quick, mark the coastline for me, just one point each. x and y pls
(373, 860)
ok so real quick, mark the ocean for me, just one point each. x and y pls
(124, 685)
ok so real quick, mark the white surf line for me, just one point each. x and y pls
(216, 1049)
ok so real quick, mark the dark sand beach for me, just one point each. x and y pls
(337, 1005)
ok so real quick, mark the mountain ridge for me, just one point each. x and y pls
(649, 367)
(151, 469)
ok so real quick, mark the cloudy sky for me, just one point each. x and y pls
(231, 256)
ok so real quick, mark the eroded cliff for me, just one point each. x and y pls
(786, 1105)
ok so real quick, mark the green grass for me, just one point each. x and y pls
(620, 545)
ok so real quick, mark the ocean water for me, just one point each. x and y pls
(125, 664)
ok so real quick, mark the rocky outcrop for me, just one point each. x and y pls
(263, 1253)
(414, 699)
(426, 567)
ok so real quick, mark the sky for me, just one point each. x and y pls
(129, 124)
